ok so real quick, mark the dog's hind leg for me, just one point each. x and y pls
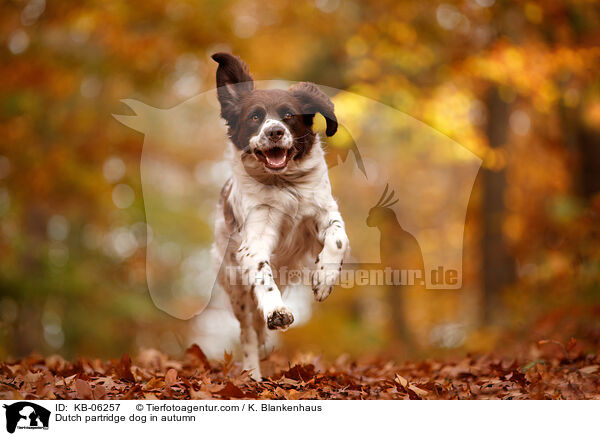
(243, 307)
(264, 347)
(250, 348)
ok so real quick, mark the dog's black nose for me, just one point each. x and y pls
(274, 133)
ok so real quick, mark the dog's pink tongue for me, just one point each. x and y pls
(276, 157)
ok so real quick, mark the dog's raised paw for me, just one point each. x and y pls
(280, 319)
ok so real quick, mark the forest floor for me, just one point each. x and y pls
(553, 371)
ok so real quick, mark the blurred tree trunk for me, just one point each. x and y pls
(29, 337)
(399, 250)
(498, 264)
(584, 143)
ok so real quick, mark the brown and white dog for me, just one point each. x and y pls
(277, 211)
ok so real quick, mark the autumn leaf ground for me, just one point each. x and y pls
(556, 371)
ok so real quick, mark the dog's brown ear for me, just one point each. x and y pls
(313, 100)
(233, 82)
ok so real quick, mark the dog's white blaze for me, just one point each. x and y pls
(261, 139)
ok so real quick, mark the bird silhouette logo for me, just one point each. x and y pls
(397, 247)
(400, 253)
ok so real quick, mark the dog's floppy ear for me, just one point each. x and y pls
(233, 82)
(313, 100)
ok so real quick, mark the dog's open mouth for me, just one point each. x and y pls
(274, 158)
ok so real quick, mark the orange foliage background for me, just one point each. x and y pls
(72, 256)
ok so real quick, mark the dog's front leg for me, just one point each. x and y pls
(260, 235)
(332, 234)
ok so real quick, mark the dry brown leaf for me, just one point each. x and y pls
(99, 392)
(83, 390)
(197, 356)
(591, 369)
(551, 375)
(401, 381)
(171, 377)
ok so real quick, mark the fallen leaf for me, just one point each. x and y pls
(300, 372)
(153, 384)
(589, 369)
(123, 368)
(232, 391)
(401, 381)
(171, 377)
(196, 355)
(99, 392)
(83, 390)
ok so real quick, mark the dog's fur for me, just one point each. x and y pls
(277, 210)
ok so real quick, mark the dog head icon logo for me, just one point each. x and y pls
(24, 414)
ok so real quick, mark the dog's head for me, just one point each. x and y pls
(273, 126)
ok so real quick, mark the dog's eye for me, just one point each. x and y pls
(288, 116)
(255, 117)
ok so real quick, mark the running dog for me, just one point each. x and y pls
(277, 211)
